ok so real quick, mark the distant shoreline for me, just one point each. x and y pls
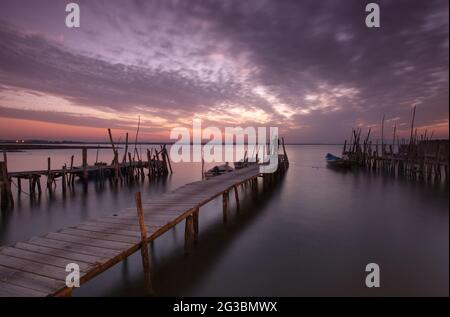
(23, 147)
(14, 147)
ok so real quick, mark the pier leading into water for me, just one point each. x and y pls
(37, 267)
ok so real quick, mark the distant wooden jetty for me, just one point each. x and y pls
(37, 267)
(129, 168)
(421, 157)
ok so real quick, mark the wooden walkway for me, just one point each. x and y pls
(37, 267)
(130, 168)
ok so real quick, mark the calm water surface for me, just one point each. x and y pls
(311, 235)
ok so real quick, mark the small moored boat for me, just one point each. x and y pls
(340, 162)
(218, 170)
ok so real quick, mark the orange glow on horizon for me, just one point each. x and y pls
(11, 129)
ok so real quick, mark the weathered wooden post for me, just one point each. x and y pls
(124, 159)
(195, 215)
(38, 183)
(6, 194)
(64, 180)
(144, 244)
(71, 176)
(141, 169)
(236, 196)
(149, 164)
(117, 173)
(49, 174)
(189, 233)
(19, 185)
(30, 185)
(225, 206)
(84, 164)
(158, 165)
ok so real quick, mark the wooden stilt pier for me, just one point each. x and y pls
(37, 267)
(157, 166)
(420, 159)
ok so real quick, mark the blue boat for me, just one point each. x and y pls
(340, 162)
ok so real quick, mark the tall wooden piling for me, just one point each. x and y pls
(84, 164)
(117, 173)
(64, 179)
(124, 159)
(149, 163)
(195, 216)
(144, 244)
(7, 199)
(71, 175)
(49, 174)
(189, 233)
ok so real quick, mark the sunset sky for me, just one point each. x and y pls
(312, 68)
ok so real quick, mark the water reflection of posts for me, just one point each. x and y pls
(236, 196)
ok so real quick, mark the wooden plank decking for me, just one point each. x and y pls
(37, 267)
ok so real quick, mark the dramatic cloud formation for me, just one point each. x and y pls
(310, 67)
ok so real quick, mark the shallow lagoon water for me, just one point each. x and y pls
(312, 234)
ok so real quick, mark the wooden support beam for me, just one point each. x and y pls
(49, 174)
(144, 244)
(117, 173)
(158, 162)
(195, 215)
(30, 185)
(64, 180)
(149, 162)
(84, 164)
(136, 139)
(71, 175)
(225, 206)
(189, 232)
(6, 194)
(124, 159)
(96, 155)
(236, 196)
(38, 183)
